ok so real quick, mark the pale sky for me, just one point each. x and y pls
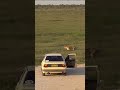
(58, 2)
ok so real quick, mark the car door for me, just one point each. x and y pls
(19, 84)
(91, 78)
(70, 60)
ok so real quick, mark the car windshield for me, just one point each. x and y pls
(54, 58)
(30, 77)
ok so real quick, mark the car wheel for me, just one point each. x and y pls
(65, 74)
(43, 74)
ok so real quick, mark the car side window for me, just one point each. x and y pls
(30, 78)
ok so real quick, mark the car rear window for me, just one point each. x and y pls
(30, 77)
(54, 58)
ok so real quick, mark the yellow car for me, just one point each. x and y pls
(53, 63)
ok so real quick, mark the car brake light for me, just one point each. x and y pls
(45, 65)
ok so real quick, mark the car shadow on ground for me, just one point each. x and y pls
(71, 71)
(76, 71)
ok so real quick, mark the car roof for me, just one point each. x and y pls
(72, 54)
(53, 54)
(92, 66)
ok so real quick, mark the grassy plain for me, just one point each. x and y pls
(56, 26)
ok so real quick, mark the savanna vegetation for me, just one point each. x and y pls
(56, 26)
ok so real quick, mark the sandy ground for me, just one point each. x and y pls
(74, 80)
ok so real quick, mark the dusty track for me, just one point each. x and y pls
(75, 80)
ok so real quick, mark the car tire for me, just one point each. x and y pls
(43, 74)
(65, 74)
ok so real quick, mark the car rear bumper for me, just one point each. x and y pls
(52, 70)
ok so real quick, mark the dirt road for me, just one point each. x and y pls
(74, 80)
